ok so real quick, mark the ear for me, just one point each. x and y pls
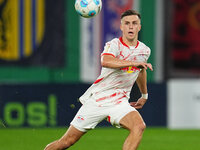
(140, 27)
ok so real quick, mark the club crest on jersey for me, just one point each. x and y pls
(130, 69)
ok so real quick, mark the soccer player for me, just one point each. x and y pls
(124, 62)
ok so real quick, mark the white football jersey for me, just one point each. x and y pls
(113, 86)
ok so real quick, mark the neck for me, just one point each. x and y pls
(130, 42)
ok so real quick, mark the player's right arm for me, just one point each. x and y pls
(110, 61)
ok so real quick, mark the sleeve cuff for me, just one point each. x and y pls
(107, 54)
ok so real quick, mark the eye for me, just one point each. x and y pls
(135, 23)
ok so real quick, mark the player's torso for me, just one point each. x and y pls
(114, 85)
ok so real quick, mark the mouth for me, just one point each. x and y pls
(130, 33)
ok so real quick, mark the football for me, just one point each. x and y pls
(88, 8)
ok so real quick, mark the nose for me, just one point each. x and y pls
(131, 26)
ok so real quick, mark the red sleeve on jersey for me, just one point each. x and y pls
(107, 54)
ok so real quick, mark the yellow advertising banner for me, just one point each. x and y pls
(22, 25)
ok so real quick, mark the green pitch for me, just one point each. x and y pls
(100, 139)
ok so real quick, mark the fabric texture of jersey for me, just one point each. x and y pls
(113, 86)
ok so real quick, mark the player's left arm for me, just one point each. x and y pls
(142, 85)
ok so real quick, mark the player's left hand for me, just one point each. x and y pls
(139, 104)
(150, 66)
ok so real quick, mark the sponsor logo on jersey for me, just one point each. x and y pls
(130, 69)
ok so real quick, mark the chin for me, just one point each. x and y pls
(130, 38)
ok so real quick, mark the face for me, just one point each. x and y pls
(130, 26)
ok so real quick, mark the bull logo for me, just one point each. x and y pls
(130, 69)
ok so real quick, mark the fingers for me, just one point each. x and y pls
(133, 103)
(147, 65)
(143, 65)
(139, 104)
(136, 105)
(150, 66)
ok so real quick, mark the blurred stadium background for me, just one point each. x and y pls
(49, 56)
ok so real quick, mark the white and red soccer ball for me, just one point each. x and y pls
(88, 8)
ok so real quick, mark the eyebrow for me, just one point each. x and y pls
(130, 21)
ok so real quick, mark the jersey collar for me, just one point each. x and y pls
(121, 40)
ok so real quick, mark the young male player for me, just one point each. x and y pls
(124, 61)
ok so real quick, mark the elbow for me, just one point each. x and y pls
(107, 61)
(104, 63)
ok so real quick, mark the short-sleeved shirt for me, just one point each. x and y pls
(113, 86)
